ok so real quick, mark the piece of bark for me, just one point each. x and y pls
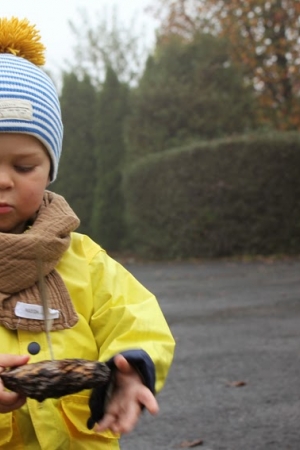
(54, 379)
(191, 444)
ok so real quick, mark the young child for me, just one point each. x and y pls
(100, 311)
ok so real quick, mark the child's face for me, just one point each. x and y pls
(24, 175)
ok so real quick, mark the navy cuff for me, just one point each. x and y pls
(142, 363)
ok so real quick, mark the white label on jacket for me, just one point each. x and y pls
(27, 311)
(15, 109)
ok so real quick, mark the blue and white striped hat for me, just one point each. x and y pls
(29, 104)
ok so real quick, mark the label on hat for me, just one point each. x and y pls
(15, 109)
(28, 311)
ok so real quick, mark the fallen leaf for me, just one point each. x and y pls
(236, 383)
(191, 444)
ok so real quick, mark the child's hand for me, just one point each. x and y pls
(128, 397)
(10, 401)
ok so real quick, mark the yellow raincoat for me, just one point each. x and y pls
(116, 313)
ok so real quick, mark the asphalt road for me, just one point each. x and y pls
(235, 381)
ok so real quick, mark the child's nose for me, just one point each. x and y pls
(6, 181)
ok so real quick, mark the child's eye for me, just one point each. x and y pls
(23, 169)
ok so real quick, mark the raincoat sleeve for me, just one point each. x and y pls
(127, 319)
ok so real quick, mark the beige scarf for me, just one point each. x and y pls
(45, 241)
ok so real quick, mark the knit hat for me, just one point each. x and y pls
(28, 99)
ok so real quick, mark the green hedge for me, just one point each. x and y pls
(219, 198)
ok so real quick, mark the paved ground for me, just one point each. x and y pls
(233, 321)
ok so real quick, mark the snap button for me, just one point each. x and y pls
(33, 348)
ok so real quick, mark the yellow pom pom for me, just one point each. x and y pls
(21, 39)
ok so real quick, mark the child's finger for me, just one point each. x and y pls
(122, 364)
(147, 399)
(10, 401)
(12, 360)
(105, 423)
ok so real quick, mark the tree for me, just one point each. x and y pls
(103, 42)
(108, 223)
(77, 167)
(188, 92)
(265, 41)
